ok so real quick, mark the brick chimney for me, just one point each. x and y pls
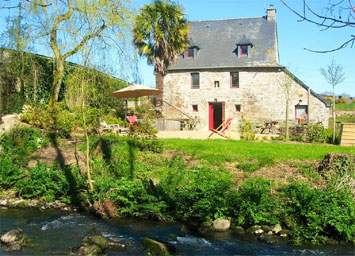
(271, 13)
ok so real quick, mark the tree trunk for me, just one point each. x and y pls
(34, 83)
(159, 82)
(334, 121)
(20, 53)
(287, 135)
(58, 76)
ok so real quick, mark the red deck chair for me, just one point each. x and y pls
(222, 129)
(132, 122)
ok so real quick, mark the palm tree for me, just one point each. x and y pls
(160, 33)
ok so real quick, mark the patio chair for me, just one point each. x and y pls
(222, 129)
(132, 120)
(116, 128)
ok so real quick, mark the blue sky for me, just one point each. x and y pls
(293, 37)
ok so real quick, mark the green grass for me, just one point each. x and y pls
(342, 119)
(345, 107)
(220, 151)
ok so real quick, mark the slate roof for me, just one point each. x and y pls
(218, 39)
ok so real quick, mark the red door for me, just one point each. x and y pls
(216, 115)
(210, 123)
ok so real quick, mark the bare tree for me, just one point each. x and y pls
(285, 84)
(334, 74)
(336, 14)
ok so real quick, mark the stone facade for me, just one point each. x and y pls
(259, 95)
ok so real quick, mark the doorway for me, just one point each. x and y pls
(216, 114)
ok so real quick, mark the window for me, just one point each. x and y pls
(195, 108)
(195, 80)
(190, 53)
(234, 80)
(243, 50)
(216, 84)
(300, 112)
(237, 108)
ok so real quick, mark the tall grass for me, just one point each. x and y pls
(219, 151)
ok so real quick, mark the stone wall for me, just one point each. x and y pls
(259, 94)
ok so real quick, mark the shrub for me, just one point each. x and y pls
(316, 133)
(254, 204)
(131, 197)
(320, 213)
(197, 194)
(20, 142)
(49, 184)
(245, 130)
(340, 101)
(57, 120)
(9, 173)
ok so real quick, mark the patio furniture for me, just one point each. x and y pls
(222, 129)
(268, 125)
(116, 128)
(132, 120)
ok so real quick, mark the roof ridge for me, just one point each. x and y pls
(259, 17)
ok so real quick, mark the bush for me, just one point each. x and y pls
(57, 120)
(20, 142)
(316, 133)
(197, 194)
(245, 130)
(49, 184)
(253, 203)
(9, 173)
(320, 213)
(340, 101)
(131, 197)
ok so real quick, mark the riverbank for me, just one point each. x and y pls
(56, 232)
(246, 186)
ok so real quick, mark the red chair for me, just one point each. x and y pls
(132, 120)
(222, 129)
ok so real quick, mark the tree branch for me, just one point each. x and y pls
(350, 41)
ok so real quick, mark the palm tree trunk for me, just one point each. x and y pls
(159, 82)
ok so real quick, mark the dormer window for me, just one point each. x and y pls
(243, 50)
(244, 47)
(190, 53)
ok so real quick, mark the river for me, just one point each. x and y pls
(54, 232)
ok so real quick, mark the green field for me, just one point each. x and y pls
(345, 107)
(219, 151)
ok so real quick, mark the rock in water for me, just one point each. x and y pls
(256, 229)
(90, 249)
(221, 225)
(114, 246)
(13, 248)
(277, 228)
(12, 237)
(157, 247)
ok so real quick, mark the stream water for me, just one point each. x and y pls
(54, 232)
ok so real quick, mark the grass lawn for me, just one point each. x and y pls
(345, 107)
(219, 151)
(342, 119)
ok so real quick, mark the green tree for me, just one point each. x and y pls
(71, 24)
(160, 33)
(334, 74)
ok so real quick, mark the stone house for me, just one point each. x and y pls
(231, 70)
